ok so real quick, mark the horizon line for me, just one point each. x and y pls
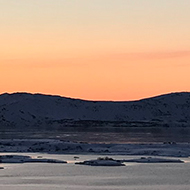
(91, 100)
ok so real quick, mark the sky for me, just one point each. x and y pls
(95, 49)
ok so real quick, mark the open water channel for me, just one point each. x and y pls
(107, 135)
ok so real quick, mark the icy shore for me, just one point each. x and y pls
(65, 147)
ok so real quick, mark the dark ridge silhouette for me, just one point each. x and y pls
(25, 110)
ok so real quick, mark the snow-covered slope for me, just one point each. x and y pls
(37, 110)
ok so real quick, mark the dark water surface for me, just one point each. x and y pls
(107, 135)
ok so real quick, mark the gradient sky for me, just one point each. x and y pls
(95, 49)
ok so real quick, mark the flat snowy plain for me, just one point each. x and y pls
(133, 176)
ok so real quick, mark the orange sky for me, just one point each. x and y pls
(89, 50)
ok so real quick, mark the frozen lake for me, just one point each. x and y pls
(48, 176)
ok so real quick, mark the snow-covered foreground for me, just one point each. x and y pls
(64, 147)
(48, 176)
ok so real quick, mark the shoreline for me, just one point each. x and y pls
(54, 146)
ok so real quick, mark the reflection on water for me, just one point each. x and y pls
(48, 176)
(108, 135)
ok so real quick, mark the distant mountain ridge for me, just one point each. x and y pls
(37, 110)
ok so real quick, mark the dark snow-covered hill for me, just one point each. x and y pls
(36, 110)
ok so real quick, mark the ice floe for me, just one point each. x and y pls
(26, 159)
